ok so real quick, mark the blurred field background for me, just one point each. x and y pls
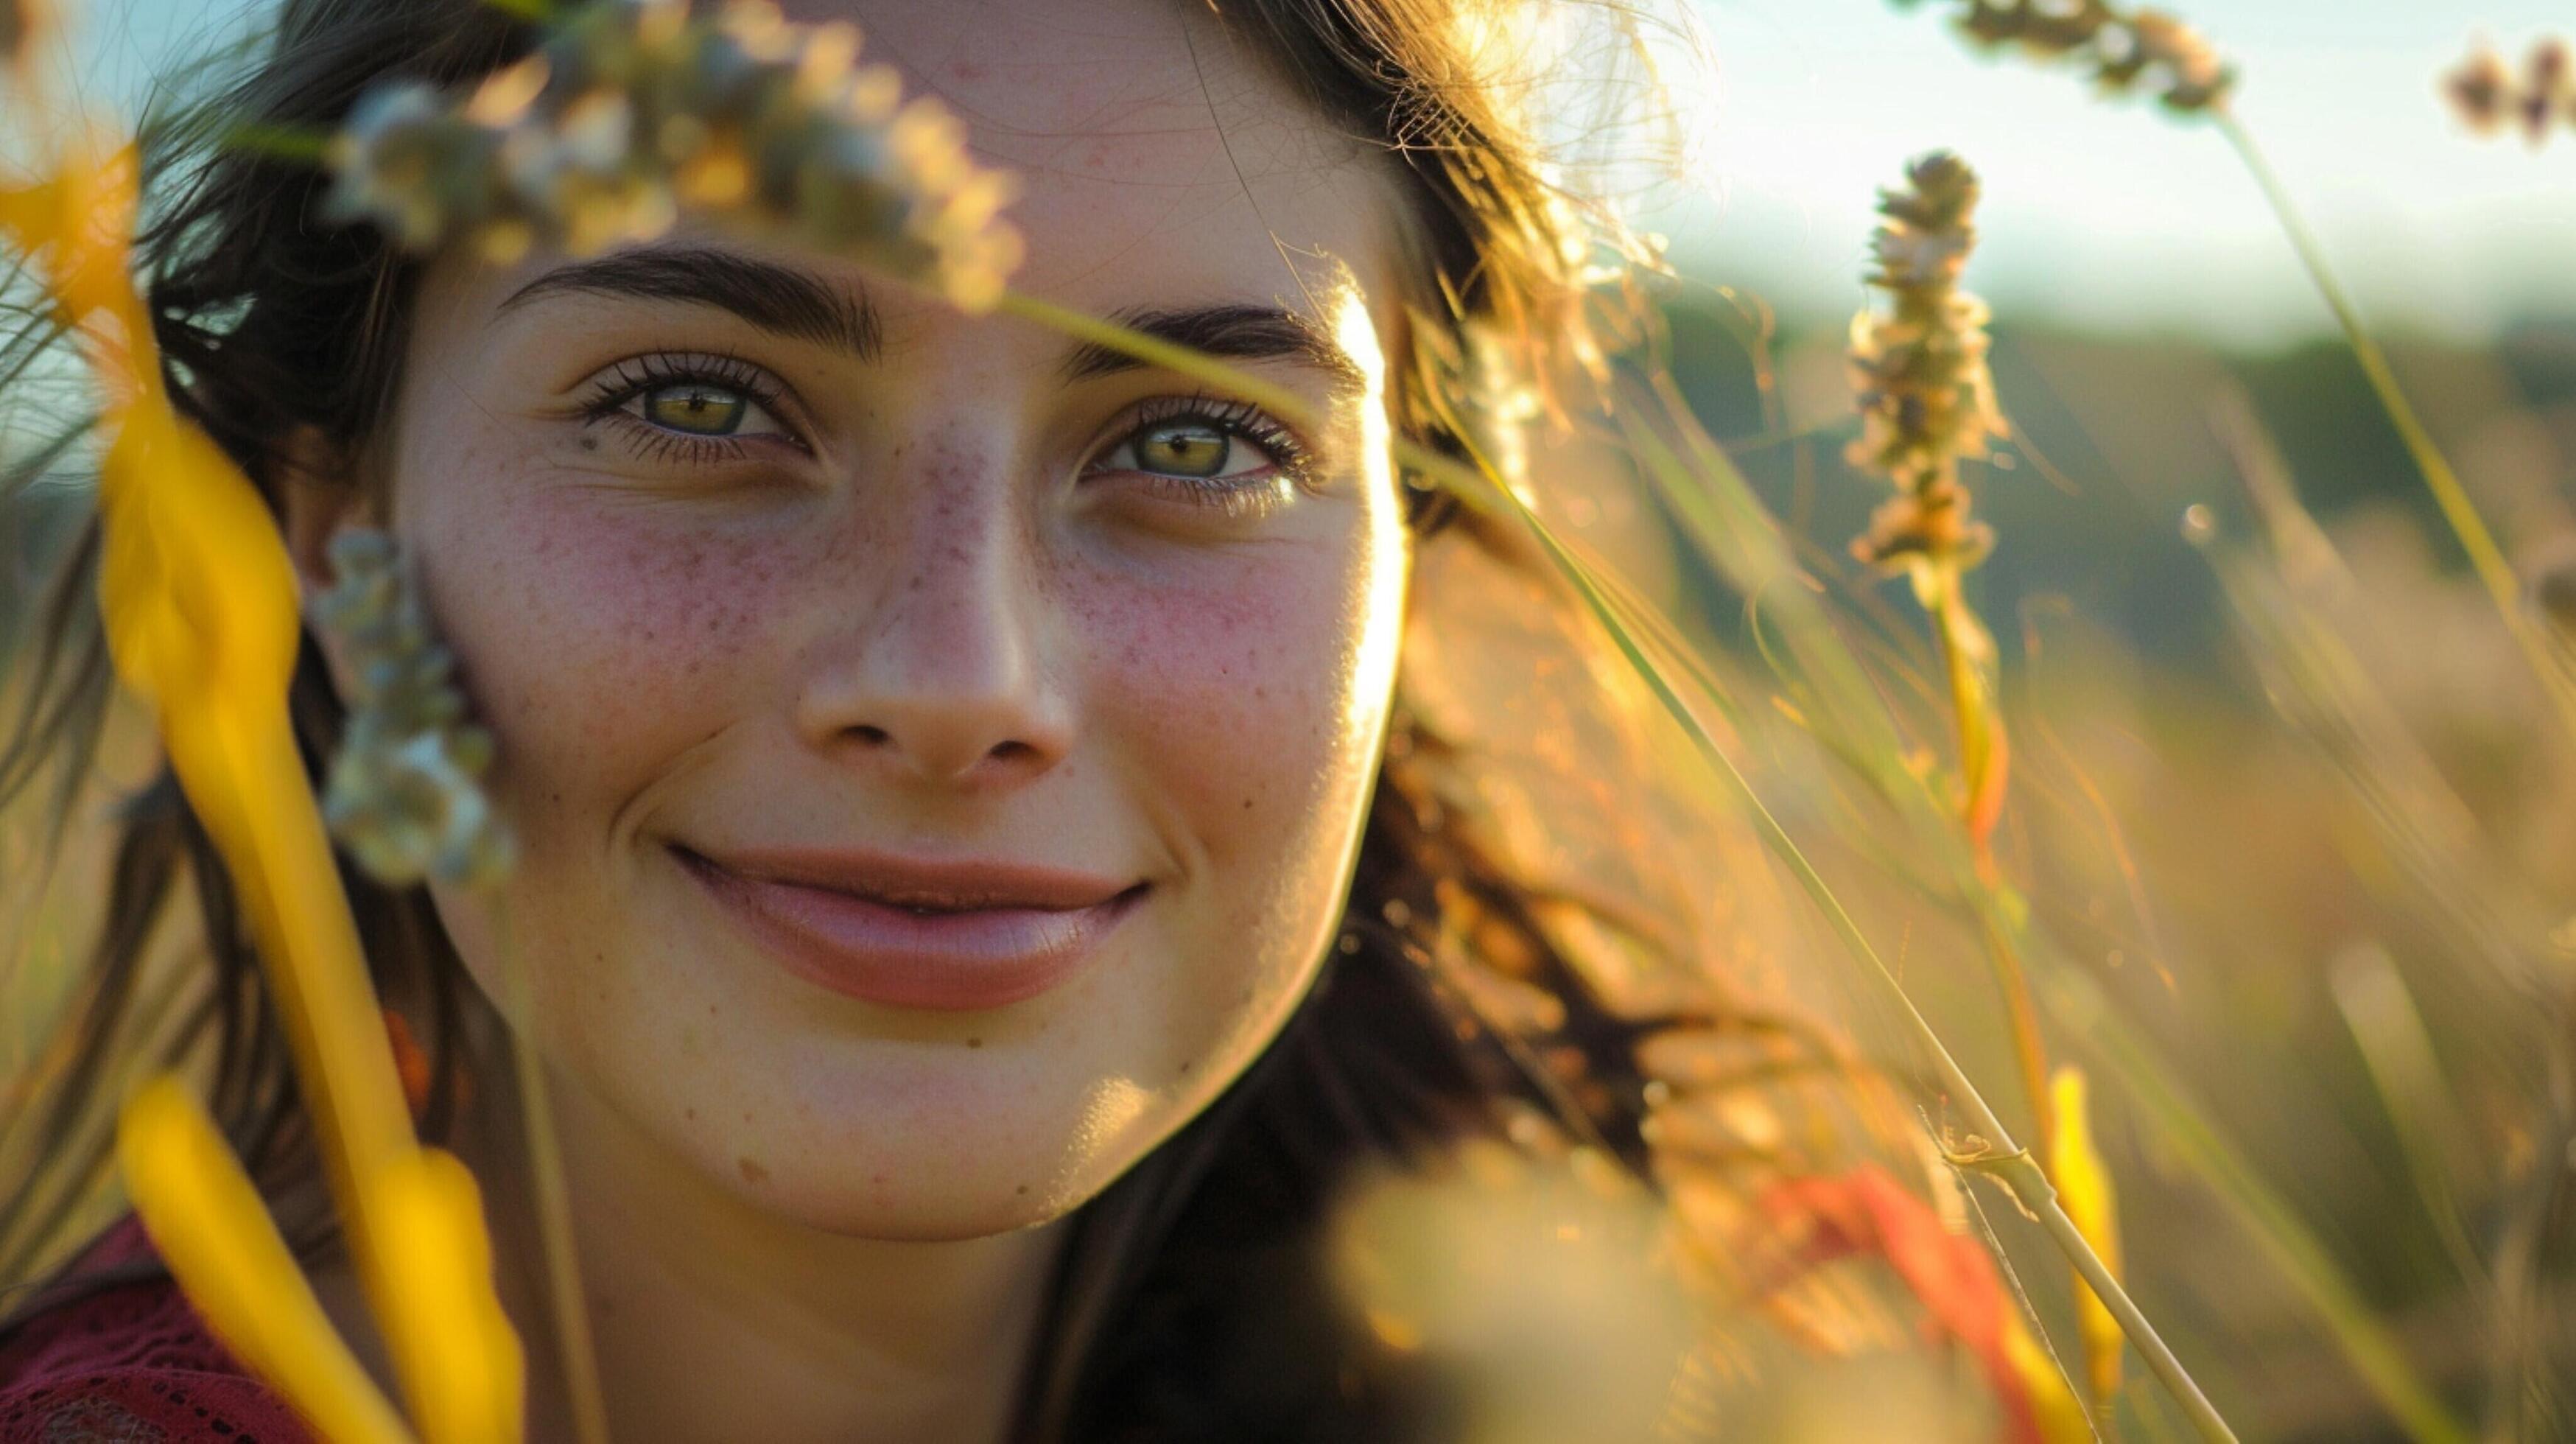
(2290, 813)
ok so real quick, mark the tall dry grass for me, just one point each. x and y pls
(2298, 919)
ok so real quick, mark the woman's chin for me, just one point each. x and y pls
(899, 1197)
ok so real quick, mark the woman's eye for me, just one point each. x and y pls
(699, 408)
(1183, 448)
(1201, 448)
(693, 410)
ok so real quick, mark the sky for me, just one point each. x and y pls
(2115, 216)
(2103, 215)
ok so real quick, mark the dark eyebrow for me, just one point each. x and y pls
(773, 297)
(1229, 332)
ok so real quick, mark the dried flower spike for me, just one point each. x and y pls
(2487, 95)
(2546, 94)
(2480, 90)
(2126, 50)
(1926, 396)
(634, 108)
(402, 794)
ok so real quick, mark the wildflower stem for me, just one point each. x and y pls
(1981, 776)
(2485, 556)
(574, 1348)
(2028, 1050)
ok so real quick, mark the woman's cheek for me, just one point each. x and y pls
(597, 640)
(1233, 686)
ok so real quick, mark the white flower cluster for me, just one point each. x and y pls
(402, 795)
(635, 109)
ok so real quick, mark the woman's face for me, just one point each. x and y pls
(937, 751)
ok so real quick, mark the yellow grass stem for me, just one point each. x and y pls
(2076, 1167)
(462, 1369)
(198, 602)
(2486, 558)
(206, 1218)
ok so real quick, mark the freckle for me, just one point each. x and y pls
(711, 1010)
(590, 443)
(974, 1042)
(751, 1172)
(1247, 804)
(1187, 1063)
(691, 1113)
(1024, 1188)
(746, 1118)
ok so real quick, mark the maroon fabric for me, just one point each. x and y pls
(132, 1363)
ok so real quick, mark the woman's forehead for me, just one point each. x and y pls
(1054, 67)
(1149, 144)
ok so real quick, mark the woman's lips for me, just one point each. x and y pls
(910, 934)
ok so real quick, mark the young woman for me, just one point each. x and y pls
(988, 870)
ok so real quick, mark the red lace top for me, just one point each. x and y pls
(131, 1364)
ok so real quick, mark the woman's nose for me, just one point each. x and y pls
(945, 677)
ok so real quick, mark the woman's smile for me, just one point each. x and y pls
(904, 932)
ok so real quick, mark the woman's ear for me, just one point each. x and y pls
(318, 494)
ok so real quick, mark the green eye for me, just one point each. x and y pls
(1183, 448)
(696, 408)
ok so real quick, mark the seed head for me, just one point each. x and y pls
(1919, 369)
(2126, 50)
(2481, 90)
(2545, 90)
(635, 108)
(2487, 95)
(402, 794)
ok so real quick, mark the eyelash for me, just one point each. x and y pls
(1236, 495)
(637, 375)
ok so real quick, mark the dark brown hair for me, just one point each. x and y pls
(1190, 1302)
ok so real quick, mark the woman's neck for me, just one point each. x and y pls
(712, 1319)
